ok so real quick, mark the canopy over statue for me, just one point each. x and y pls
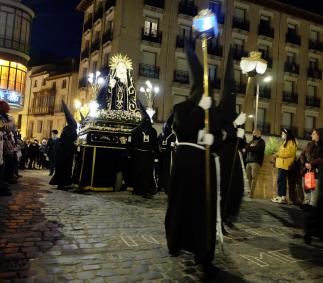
(115, 112)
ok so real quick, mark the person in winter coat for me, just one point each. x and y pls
(311, 158)
(285, 157)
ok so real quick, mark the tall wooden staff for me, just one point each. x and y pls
(205, 23)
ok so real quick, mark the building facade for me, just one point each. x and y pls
(152, 33)
(15, 23)
(46, 87)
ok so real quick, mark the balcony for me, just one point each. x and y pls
(265, 29)
(265, 92)
(214, 48)
(83, 83)
(293, 37)
(42, 110)
(149, 71)
(313, 101)
(151, 35)
(58, 108)
(109, 4)
(85, 53)
(181, 77)
(240, 87)
(88, 24)
(315, 45)
(155, 3)
(264, 127)
(14, 44)
(187, 8)
(291, 67)
(290, 97)
(240, 24)
(95, 45)
(238, 53)
(314, 73)
(107, 36)
(180, 41)
(215, 83)
(98, 14)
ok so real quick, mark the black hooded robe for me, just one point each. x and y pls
(185, 223)
(143, 151)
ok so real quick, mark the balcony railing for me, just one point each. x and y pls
(45, 109)
(265, 92)
(314, 73)
(291, 67)
(85, 53)
(238, 53)
(98, 14)
(155, 3)
(214, 49)
(293, 37)
(187, 8)
(240, 87)
(290, 97)
(215, 83)
(151, 35)
(180, 41)
(95, 45)
(315, 45)
(109, 4)
(83, 83)
(265, 29)
(149, 71)
(264, 127)
(293, 129)
(14, 44)
(181, 77)
(313, 101)
(107, 36)
(240, 24)
(88, 23)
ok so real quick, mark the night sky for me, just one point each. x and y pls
(57, 27)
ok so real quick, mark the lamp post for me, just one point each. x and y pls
(150, 91)
(252, 66)
(205, 23)
(95, 81)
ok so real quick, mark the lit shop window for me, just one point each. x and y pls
(12, 76)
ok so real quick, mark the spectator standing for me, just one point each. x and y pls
(285, 157)
(52, 145)
(311, 158)
(255, 151)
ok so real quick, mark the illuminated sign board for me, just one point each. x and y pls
(12, 97)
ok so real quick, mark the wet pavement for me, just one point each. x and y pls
(48, 235)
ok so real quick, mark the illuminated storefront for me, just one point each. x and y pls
(12, 82)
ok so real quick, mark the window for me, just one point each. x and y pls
(49, 128)
(291, 57)
(237, 76)
(181, 64)
(94, 66)
(149, 58)
(313, 63)
(54, 85)
(35, 83)
(151, 26)
(289, 86)
(212, 73)
(261, 116)
(310, 122)
(240, 14)
(185, 31)
(314, 35)
(238, 43)
(291, 28)
(238, 108)
(311, 90)
(30, 129)
(43, 82)
(264, 49)
(108, 26)
(265, 19)
(287, 119)
(84, 73)
(64, 82)
(12, 76)
(39, 126)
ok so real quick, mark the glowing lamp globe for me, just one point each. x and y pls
(253, 64)
(205, 21)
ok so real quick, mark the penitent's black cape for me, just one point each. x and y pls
(65, 152)
(185, 223)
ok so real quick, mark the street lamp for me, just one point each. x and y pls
(95, 81)
(150, 92)
(252, 66)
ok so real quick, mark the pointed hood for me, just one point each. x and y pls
(144, 115)
(69, 117)
(196, 73)
(227, 103)
(167, 127)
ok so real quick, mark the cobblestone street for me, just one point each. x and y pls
(47, 235)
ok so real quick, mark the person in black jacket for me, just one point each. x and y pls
(255, 151)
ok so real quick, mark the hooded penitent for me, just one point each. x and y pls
(69, 134)
(145, 119)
